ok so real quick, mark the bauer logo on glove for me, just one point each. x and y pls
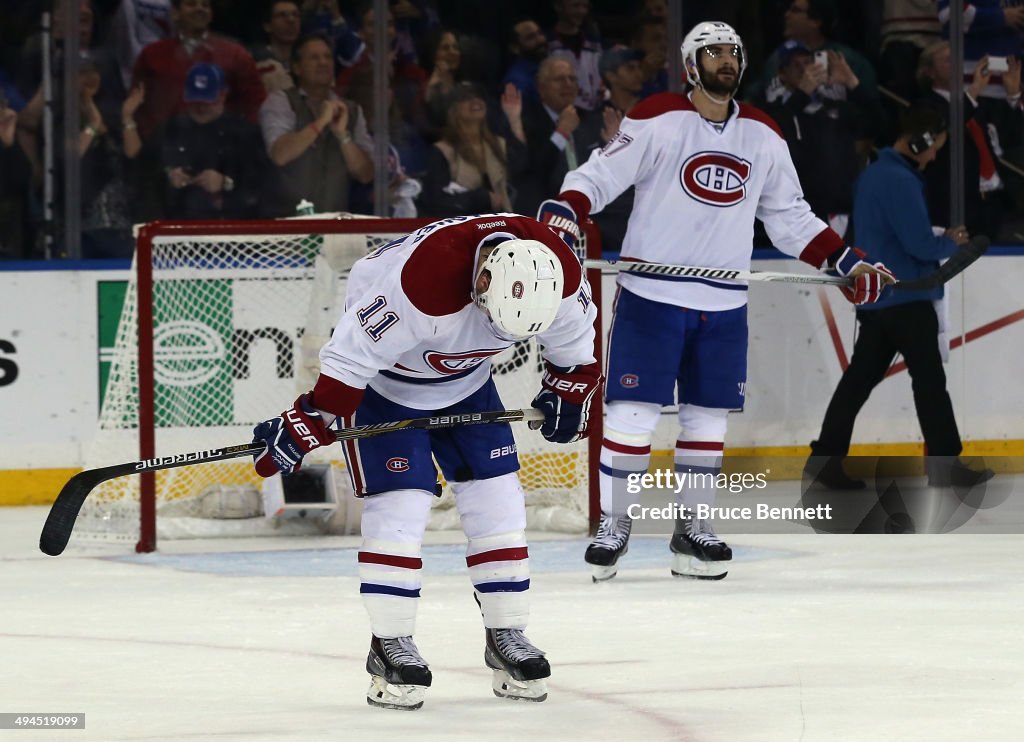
(290, 436)
(564, 399)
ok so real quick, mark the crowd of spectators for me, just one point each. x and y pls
(218, 109)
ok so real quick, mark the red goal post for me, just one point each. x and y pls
(220, 247)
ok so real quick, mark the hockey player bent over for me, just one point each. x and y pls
(424, 316)
(704, 166)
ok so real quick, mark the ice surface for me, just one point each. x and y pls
(810, 637)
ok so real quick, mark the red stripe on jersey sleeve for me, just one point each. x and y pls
(824, 244)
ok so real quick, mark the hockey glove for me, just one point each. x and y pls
(560, 218)
(289, 437)
(564, 399)
(868, 285)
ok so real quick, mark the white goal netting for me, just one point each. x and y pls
(238, 321)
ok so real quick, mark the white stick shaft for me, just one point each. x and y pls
(716, 274)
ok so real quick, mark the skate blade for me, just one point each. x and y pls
(601, 574)
(385, 695)
(684, 565)
(505, 686)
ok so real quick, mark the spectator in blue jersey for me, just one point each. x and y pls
(324, 17)
(891, 220)
(528, 46)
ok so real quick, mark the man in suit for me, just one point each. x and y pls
(559, 137)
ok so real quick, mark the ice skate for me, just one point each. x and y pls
(610, 543)
(399, 676)
(698, 552)
(952, 472)
(519, 667)
(826, 472)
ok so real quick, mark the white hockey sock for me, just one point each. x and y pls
(389, 559)
(698, 454)
(493, 514)
(625, 450)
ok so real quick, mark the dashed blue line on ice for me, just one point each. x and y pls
(545, 557)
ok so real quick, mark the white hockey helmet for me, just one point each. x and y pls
(708, 34)
(525, 290)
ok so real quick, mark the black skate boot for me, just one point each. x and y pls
(399, 677)
(826, 472)
(610, 543)
(699, 553)
(519, 667)
(950, 471)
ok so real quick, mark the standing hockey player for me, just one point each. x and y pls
(704, 166)
(424, 316)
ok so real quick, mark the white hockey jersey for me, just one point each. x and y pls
(699, 186)
(412, 332)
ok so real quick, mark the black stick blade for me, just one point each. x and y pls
(953, 267)
(64, 511)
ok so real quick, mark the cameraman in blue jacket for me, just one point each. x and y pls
(892, 224)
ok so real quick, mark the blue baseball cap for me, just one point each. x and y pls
(789, 50)
(617, 56)
(203, 83)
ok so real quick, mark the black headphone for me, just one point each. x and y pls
(921, 142)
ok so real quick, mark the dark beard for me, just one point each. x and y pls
(718, 87)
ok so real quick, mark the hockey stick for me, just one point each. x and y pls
(61, 519)
(952, 267)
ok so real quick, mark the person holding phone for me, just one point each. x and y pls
(993, 34)
(811, 22)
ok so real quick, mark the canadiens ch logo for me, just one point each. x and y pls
(715, 178)
(517, 290)
(397, 464)
(629, 381)
(457, 363)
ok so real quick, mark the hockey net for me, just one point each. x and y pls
(221, 327)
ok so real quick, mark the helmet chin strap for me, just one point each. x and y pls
(713, 99)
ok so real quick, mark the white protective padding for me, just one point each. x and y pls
(393, 524)
(525, 289)
(706, 424)
(634, 419)
(703, 423)
(493, 517)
